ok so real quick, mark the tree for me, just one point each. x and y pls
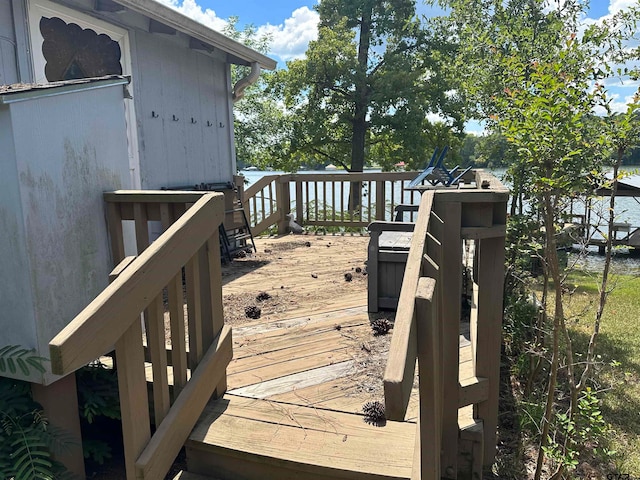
(366, 86)
(546, 84)
(260, 123)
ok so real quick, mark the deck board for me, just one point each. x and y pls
(296, 378)
(293, 435)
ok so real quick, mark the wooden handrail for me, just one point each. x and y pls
(322, 199)
(399, 373)
(251, 190)
(97, 328)
(189, 243)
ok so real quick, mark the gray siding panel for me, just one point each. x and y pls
(8, 65)
(173, 81)
(17, 320)
(69, 149)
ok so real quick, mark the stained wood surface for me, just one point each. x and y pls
(297, 377)
(310, 440)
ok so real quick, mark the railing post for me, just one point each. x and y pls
(299, 203)
(488, 335)
(134, 402)
(216, 308)
(380, 200)
(283, 203)
(430, 379)
(450, 291)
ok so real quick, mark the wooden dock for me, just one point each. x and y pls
(301, 374)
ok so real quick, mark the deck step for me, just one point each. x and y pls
(250, 439)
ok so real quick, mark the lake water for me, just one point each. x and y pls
(627, 210)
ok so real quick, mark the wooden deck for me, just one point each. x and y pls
(301, 374)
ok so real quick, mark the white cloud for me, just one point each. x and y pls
(291, 39)
(194, 11)
(617, 5)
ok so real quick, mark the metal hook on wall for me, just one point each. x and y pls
(193, 120)
(209, 124)
(174, 118)
(154, 114)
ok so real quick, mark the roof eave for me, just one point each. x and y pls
(237, 52)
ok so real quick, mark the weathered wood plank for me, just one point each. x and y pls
(291, 436)
(296, 381)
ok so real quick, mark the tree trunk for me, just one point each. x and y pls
(361, 105)
(553, 264)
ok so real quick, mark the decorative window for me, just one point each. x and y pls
(72, 52)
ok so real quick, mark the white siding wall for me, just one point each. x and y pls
(68, 149)
(181, 86)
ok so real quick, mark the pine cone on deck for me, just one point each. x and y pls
(381, 326)
(373, 412)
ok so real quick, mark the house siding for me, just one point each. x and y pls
(8, 64)
(182, 104)
(68, 149)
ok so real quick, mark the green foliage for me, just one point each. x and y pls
(98, 392)
(365, 89)
(96, 450)
(587, 431)
(13, 357)
(98, 397)
(26, 438)
(260, 124)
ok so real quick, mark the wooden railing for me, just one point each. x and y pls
(427, 327)
(114, 319)
(323, 199)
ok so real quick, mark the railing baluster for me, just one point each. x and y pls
(263, 212)
(342, 201)
(178, 337)
(158, 354)
(114, 222)
(134, 402)
(217, 306)
(315, 191)
(380, 200)
(333, 200)
(194, 311)
(299, 203)
(307, 201)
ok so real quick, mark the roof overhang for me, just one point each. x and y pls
(27, 91)
(628, 186)
(238, 53)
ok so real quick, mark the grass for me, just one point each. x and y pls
(619, 348)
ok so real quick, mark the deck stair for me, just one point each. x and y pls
(246, 438)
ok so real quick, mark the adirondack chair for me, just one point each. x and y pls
(430, 168)
(446, 177)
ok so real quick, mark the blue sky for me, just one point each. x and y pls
(293, 24)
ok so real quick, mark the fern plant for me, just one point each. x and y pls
(26, 438)
(14, 357)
